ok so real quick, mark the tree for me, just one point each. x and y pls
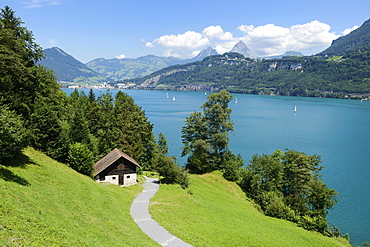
(18, 55)
(205, 135)
(12, 134)
(288, 185)
(166, 165)
(29, 89)
(81, 159)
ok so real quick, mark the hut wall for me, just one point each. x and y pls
(129, 179)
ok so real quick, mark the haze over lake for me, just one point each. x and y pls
(338, 130)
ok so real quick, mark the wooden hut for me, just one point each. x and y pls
(116, 168)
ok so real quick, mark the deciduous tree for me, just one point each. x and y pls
(205, 134)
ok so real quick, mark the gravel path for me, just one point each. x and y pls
(140, 212)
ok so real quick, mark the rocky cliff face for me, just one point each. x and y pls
(241, 48)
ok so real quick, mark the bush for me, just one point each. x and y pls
(12, 134)
(275, 207)
(318, 223)
(171, 172)
(81, 159)
(233, 168)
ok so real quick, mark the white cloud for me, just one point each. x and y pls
(40, 3)
(216, 32)
(149, 44)
(348, 30)
(272, 40)
(223, 47)
(121, 56)
(245, 28)
(168, 53)
(189, 39)
(195, 53)
(264, 40)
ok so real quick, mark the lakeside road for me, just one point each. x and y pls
(140, 213)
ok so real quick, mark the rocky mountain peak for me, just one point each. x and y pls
(242, 48)
(209, 51)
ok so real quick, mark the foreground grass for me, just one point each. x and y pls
(45, 203)
(215, 212)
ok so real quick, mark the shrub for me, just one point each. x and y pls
(81, 159)
(12, 133)
(233, 168)
(318, 223)
(171, 172)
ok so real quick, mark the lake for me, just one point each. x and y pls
(336, 129)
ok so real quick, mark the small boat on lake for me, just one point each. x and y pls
(295, 109)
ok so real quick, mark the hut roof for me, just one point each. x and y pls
(110, 158)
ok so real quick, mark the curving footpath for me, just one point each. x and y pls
(140, 213)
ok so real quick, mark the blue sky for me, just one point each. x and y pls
(89, 29)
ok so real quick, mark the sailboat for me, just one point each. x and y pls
(236, 101)
(167, 95)
(295, 109)
(173, 98)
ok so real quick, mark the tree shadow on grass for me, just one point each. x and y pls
(20, 160)
(9, 176)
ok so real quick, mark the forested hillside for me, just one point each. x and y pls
(295, 76)
(357, 41)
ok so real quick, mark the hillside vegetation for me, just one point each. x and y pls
(46, 203)
(215, 212)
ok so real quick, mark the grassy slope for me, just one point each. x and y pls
(218, 214)
(45, 203)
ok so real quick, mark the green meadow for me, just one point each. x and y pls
(215, 212)
(45, 203)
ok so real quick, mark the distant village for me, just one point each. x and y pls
(104, 85)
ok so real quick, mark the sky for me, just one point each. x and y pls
(90, 29)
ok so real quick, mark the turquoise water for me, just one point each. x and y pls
(338, 130)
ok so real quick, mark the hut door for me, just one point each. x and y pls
(120, 180)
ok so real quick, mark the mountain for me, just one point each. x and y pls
(291, 76)
(357, 40)
(209, 51)
(241, 48)
(128, 68)
(286, 54)
(69, 69)
(119, 69)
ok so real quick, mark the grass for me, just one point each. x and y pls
(215, 212)
(334, 58)
(45, 203)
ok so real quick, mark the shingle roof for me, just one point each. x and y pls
(110, 158)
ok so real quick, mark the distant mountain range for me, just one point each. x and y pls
(99, 70)
(343, 68)
(69, 69)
